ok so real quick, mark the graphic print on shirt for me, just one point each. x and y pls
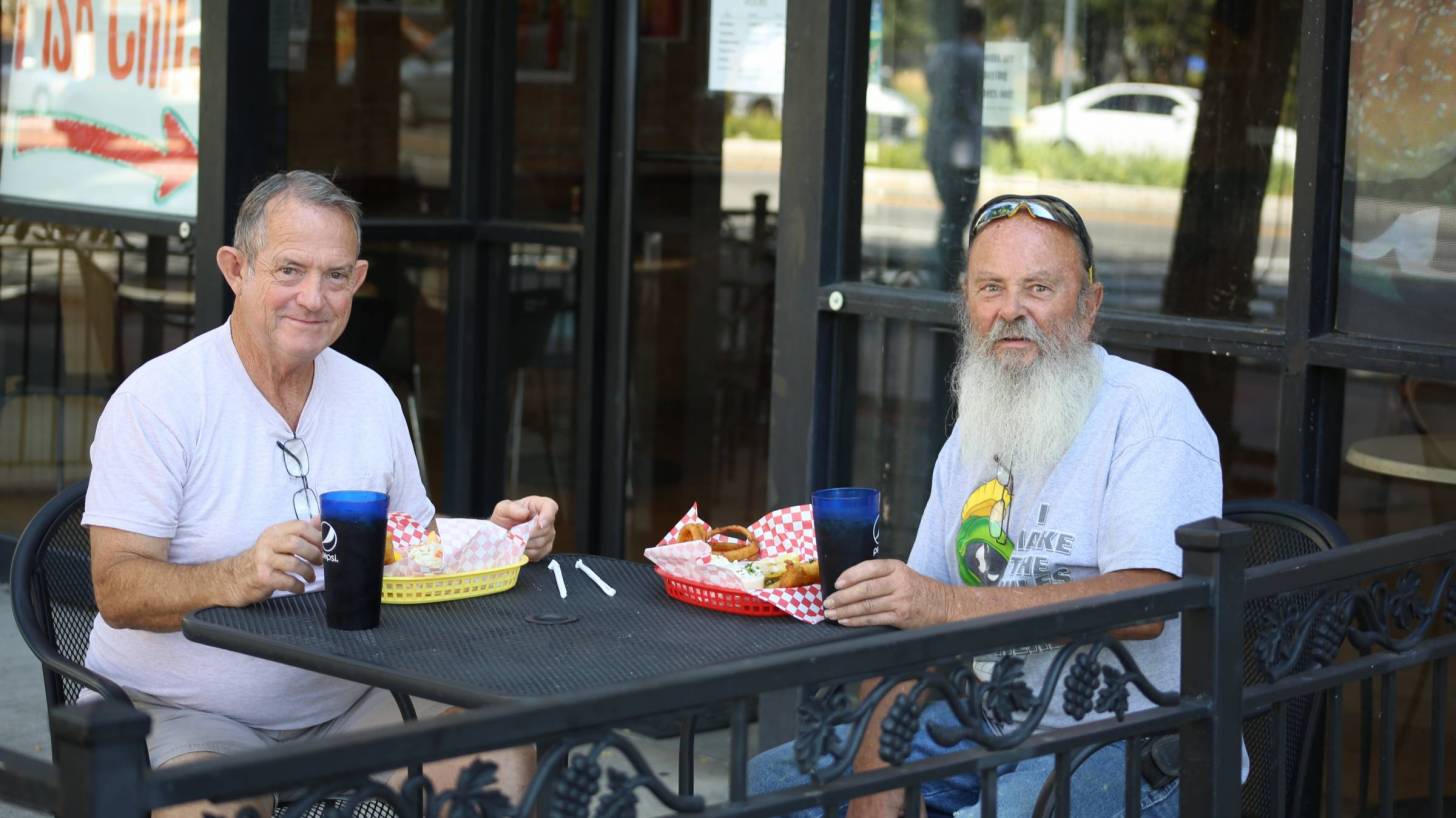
(983, 544)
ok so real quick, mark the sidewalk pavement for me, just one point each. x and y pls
(23, 727)
(22, 698)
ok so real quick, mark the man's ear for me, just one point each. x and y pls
(361, 272)
(1094, 303)
(233, 265)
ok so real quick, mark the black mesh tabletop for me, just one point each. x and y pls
(492, 648)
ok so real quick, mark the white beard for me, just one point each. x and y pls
(1024, 416)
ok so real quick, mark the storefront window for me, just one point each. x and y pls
(1169, 129)
(902, 415)
(702, 281)
(541, 371)
(550, 110)
(369, 97)
(1399, 470)
(397, 328)
(1398, 268)
(80, 309)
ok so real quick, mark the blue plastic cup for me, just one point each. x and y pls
(354, 525)
(847, 530)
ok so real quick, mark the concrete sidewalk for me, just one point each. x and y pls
(23, 727)
(22, 698)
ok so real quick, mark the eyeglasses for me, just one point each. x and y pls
(1048, 208)
(295, 461)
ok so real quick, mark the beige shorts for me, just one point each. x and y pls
(177, 731)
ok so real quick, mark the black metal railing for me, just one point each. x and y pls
(1351, 623)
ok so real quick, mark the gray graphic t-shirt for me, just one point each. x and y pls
(1144, 463)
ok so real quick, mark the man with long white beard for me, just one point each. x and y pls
(1065, 476)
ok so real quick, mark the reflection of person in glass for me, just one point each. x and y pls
(953, 143)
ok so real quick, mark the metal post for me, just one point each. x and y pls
(1212, 660)
(101, 752)
(1069, 53)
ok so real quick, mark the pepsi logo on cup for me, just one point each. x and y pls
(330, 542)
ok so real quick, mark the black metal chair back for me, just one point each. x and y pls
(55, 608)
(1281, 530)
(52, 597)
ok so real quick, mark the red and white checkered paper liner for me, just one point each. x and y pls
(467, 545)
(786, 531)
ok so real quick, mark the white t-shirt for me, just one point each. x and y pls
(186, 451)
(1144, 463)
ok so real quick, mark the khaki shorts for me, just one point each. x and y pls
(177, 731)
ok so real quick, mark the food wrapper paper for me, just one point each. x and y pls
(785, 531)
(465, 545)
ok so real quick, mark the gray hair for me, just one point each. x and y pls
(303, 185)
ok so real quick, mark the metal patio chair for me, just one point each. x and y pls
(1280, 530)
(55, 608)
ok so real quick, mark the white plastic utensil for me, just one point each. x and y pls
(560, 582)
(601, 583)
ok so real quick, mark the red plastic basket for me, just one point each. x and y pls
(715, 597)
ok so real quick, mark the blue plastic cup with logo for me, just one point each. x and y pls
(846, 529)
(354, 525)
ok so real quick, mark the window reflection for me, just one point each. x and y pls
(702, 284)
(1170, 131)
(550, 109)
(387, 74)
(1398, 270)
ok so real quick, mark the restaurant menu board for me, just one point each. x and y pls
(101, 107)
(746, 46)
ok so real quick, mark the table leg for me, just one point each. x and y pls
(685, 755)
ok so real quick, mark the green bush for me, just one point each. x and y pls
(754, 126)
(1064, 162)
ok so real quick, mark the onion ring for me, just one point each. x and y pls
(735, 536)
(693, 532)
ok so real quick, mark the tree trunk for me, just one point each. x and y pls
(1251, 47)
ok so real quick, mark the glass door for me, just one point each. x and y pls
(701, 285)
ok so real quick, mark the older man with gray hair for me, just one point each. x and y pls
(192, 504)
(1065, 476)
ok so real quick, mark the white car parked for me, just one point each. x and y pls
(1134, 118)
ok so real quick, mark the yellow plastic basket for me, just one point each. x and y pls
(415, 590)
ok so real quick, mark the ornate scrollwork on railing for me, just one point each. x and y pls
(573, 779)
(832, 724)
(1294, 635)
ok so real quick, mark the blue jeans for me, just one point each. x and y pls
(1096, 789)
(776, 770)
(1097, 784)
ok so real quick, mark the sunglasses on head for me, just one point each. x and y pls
(1048, 208)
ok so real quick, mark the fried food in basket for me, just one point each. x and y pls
(693, 532)
(739, 543)
(787, 571)
(388, 548)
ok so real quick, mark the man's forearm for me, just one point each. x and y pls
(970, 603)
(151, 595)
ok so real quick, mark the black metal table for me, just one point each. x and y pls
(502, 647)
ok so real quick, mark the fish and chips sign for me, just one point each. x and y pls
(102, 105)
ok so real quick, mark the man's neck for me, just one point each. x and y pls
(285, 385)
